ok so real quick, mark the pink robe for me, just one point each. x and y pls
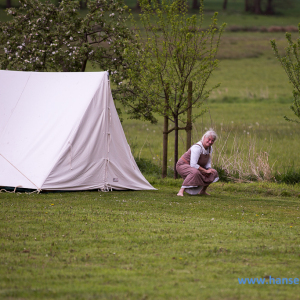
(192, 176)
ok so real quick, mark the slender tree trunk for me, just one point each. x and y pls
(83, 66)
(165, 148)
(165, 136)
(138, 7)
(175, 145)
(83, 3)
(224, 4)
(248, 6)
(269, 9)
(257, 7)
(8, 3)
(189, 118)
(195, 4)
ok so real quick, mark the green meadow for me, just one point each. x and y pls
(153, 245)
(250, 103)
(252, 99)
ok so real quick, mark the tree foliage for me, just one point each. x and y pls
(290, 62)
(172, 50)
(45, 37)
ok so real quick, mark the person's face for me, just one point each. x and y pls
(208, 141)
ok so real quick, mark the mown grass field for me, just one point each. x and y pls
(153, 245)
(150, 245)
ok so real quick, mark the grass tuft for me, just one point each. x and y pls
(290, 176)
(242, 161)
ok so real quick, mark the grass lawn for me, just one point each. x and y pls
(259, 123)
(151, 244)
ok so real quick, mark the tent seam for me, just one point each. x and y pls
(20, 172)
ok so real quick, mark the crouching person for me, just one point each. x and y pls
(194, 166)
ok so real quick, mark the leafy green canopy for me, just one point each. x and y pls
(45, 37)
(290, 62)
(173, 50)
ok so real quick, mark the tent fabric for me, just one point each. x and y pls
(61, 131)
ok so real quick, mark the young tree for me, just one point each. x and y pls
(290, 62)
(173, 50)
(45, 37)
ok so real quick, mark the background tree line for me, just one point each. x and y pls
(267, 7)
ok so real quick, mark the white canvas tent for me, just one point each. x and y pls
(61, 131)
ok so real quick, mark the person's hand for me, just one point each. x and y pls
(206, 173)
(209, 171)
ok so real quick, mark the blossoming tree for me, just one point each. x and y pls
(45, 37)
